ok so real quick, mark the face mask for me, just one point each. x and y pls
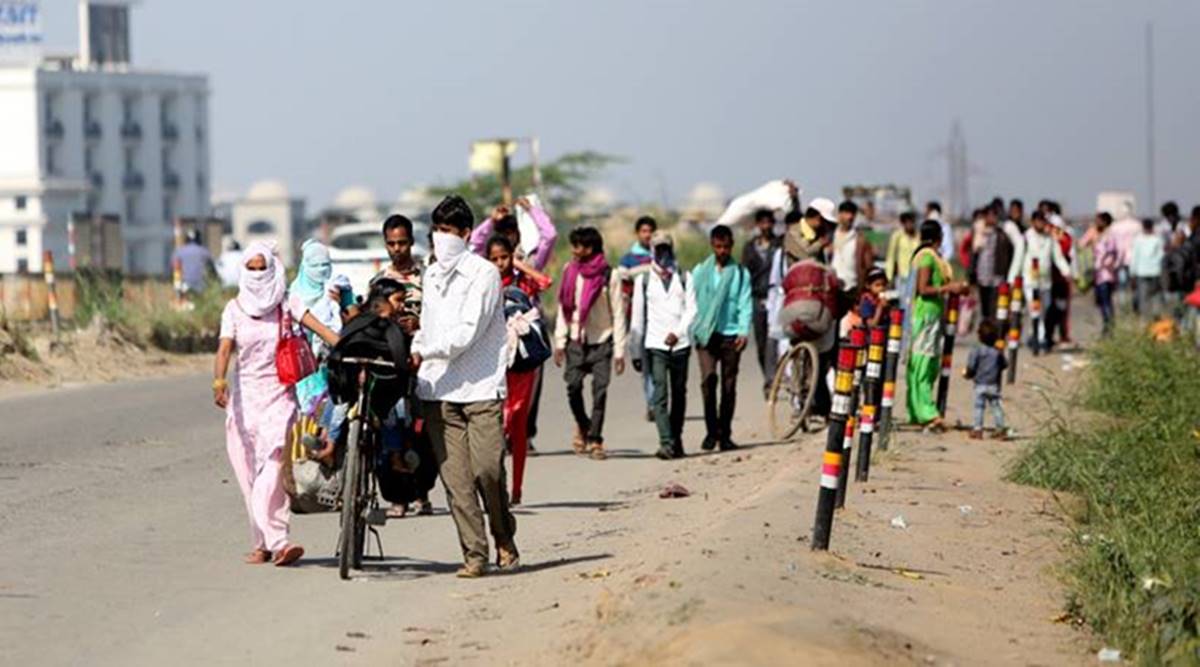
(448, 248)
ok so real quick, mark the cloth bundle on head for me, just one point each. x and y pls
(315, 270)
(773, 196)
(595, 272)
(260, 292)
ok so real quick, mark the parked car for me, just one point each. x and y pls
(357, 250)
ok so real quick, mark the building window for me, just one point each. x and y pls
(89, 159)
(131, 209)
(21, 202)
(48, 103)
(127, 109)
(22, 266)
(51, 159)
(168, 208)
(261, 227)
(22, 238)
(129, 160)
(93, 203)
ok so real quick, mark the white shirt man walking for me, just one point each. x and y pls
(461, 351)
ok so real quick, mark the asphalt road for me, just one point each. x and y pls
(122, 534)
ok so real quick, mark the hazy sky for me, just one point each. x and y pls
(389, 93)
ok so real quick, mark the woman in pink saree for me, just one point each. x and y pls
(259, 408)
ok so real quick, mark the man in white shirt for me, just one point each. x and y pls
(933, 211)
(664, 306)
(460, 349)
(1014, 228)
(1042, 250)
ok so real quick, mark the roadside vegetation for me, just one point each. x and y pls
(108, 301)
(1133, 463)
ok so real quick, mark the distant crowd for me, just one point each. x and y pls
(466, 326)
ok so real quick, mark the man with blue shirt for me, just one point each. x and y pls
(722, 326)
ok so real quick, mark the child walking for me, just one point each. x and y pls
(522, 285)
(985, 366)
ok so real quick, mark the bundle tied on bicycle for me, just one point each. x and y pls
(807, 317)
(810, 301)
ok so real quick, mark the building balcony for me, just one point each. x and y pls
(96, 179)
(54, 129)
(171, 180)
(133, 180)
(92, 130)
(170, 131)
(131, 130)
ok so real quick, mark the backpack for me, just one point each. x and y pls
(532, 349)
(1179, 268)
(372, 337)
(810, 301)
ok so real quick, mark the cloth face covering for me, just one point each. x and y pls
(315, 271)
(448, 248)
(260, 292)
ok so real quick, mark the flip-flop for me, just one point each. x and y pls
(258, 557)
(288, 555)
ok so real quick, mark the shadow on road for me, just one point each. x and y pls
(574, 504)
(404, 569)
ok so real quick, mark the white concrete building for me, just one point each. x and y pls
(94, 134)
(269, 213)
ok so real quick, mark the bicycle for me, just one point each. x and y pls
(359, 497)
(792, 391)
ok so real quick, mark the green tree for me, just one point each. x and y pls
(564, 181)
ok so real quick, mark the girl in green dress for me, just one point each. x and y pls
(934, 276)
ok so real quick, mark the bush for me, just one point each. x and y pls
(1134, 570)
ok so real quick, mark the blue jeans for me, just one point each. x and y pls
(985, 395)
(1104, 301)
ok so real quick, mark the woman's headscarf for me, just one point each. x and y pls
(260, 292)
(315, 270)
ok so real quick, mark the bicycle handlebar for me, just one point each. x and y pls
(362, 361)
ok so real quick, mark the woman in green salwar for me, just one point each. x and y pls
(934, 282)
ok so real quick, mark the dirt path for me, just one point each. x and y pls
(132, 477)
(726, 576)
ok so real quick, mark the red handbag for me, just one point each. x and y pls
(294, 359)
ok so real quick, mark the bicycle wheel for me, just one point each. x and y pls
(793, 390)
(363, 493)
(352, 471)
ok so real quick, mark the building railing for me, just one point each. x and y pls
(92, 130)
(170, 131)
(171, 180)
(131, 129)
(133, 180)
(97, 179)
(54, 129)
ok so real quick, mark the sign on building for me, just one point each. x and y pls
(20, 32)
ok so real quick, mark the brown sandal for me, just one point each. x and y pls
(258, 557)
(288, 555)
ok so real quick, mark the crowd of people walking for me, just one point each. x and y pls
(468, 323)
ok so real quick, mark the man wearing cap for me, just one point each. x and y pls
(810, 238)
(664, 307)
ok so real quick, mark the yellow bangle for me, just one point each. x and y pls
(220, 383)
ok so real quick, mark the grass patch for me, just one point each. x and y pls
(1134, 568)
(102, 297)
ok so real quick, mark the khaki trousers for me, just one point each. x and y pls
(468, 441)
